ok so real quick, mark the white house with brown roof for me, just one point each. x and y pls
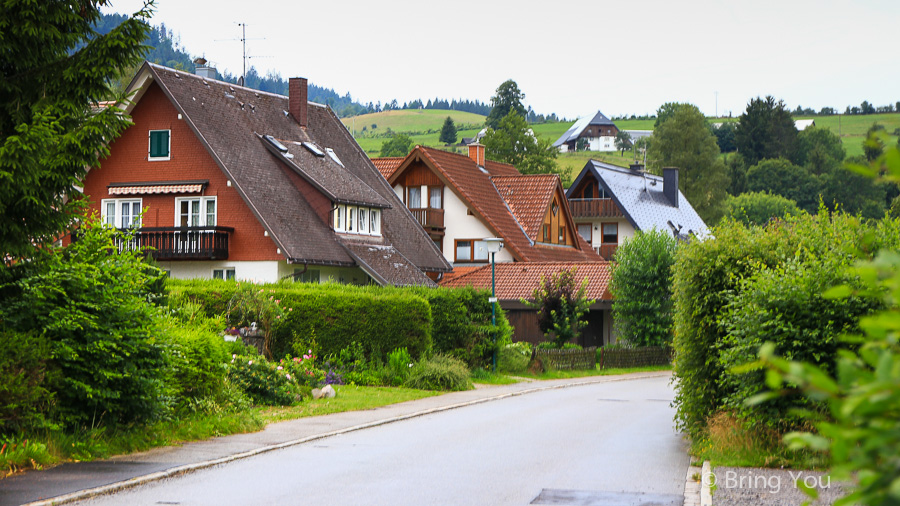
(461, 200)
(597, 131)
(223, 181)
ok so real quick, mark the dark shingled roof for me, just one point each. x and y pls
(376, 259)
(231, 120)
(640, 197)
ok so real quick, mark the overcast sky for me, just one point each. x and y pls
(571, 58)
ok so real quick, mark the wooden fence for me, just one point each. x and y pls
(616, 358)
(567, 359)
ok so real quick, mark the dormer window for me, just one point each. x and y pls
(357, 220)
(160, 145)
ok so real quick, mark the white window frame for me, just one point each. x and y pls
(340, 215)
(224, 273)
(118, 214)
(375, 221)
(168, 148)
(349, 220)
(203, 214)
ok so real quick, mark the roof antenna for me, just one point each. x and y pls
(244, 40)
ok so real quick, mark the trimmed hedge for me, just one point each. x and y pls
(459, 323)
(720, 320)
(331, 316)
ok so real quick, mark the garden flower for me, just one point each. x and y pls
(288, 376)
(279, 368)
(250, 363)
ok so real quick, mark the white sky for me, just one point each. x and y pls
(571, 58)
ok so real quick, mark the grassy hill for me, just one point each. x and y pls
(422, 125)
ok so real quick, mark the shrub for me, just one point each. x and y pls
(641, 286)
(561, 306)
(265, 382)
(23, 395)
(303, 370)
(195, 357)
(439, 372)
(709, 275)
(399, 363)
(462, 324)
(90, 301)
(784, 305)
(514, 358)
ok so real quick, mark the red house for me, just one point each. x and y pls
(222, 181)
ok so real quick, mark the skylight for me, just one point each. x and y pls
(314, 149)
(334, 156)
(279, 146)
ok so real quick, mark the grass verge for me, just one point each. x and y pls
(49, 448)
(729, 443)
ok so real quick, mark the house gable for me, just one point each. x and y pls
(129, 162)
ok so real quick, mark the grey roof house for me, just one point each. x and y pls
(609, 203)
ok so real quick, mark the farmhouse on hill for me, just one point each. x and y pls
(598, 131)
(609, 203)
(222, 181)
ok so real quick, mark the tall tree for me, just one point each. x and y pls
(54, 70)
(781, 177)
(766, 130)
(508, 98)
(397, 145)
(514, 143)
(684, 141)
(623, 141)
(641, 286)
(819, 150)
(448, 131)
(725, 136)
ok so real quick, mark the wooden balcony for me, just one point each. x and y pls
(607, 251)
(429, 218)
(594, 208)
(178, 243)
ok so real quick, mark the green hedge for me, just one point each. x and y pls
(381, 318)
(331, 316)
(731, 293)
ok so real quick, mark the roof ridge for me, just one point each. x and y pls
(219, 81)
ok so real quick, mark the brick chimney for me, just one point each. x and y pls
(476, 153)
(297, 99)
(670, 185)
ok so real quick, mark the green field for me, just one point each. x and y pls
(423, 126)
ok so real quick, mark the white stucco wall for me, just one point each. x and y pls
(625, 229)
(605, 143)
(261, 271)
(460, 225)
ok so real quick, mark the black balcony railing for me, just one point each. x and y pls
(178, 243)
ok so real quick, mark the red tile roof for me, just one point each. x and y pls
(457, 272)
(517, 280)
(387, 166)
(528, 197)
(477, 188)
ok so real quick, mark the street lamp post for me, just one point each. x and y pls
(493, 246)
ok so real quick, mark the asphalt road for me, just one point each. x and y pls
(608, 443)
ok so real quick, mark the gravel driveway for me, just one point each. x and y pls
(743, 486)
